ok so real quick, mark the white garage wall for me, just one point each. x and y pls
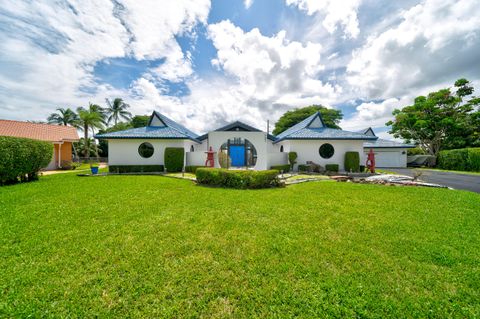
(308, 150)
(389, 157)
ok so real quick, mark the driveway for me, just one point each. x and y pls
(454, 180)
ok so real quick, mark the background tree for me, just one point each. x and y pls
(63, 117)
(440, 120)
(331, 117)
(91, 118)
(140, 120)
(117, 110)
(92, 150)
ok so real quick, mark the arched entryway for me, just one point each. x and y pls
(237, 152)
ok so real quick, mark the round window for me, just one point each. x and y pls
(326, 150)
(145, 150)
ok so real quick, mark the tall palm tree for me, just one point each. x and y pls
(91, 118)
(63, 117)
(117, 110)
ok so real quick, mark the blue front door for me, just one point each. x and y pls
(237, 154)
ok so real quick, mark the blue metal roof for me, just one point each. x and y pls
(381, 143)
(171, 130)
(303, 131)
(237, 125)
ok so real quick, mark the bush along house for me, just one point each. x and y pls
(236, 145)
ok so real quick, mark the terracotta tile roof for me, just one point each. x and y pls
(44, 132)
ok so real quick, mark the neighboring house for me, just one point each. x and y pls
(61, 137)
(387, 153)
(244, 145)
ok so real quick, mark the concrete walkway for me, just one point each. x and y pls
(469, 182)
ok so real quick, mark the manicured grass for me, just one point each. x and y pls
(158, 247)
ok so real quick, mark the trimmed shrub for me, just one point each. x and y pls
(292, 159)
(119, 169)
(192, 168)
(474, 159)
(362, 168)
(331, 167)
(304, 168)
(173, 159)
(236, 178)
(464, 159)
(280, 168)
(66, 165)
(22, 158)
(352, 162)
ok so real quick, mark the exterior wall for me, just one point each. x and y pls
(389, 157)
(277, 158)
(125, 151)
(61, 152)
(258, 139)
(308, 150)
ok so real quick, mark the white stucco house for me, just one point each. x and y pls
(244, 145)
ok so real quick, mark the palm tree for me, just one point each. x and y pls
(91, 118)
(118, 109)
(63, 117)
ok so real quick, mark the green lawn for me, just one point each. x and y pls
(154, 247)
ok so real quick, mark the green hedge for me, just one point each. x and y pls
(280, 168)
(22, 158)
(236, 178)
(119, 169)
(332, 167)
(464, 159)
(173, 159)
(352, 162)
(192, 168)
(304, 168)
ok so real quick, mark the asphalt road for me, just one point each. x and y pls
(467, 182)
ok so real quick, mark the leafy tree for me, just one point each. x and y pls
(64, 117)
(92, 150)
(140, 120)
(91, 118)
(117, 110)
(440, 120)
(331, 117)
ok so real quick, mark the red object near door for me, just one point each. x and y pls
(371, 161)
(210, 162)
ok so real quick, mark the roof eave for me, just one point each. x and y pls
(325, 138)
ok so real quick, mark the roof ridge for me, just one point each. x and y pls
(297, 127)
(187, 131)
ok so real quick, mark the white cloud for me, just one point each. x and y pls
(335, 12)
(269, 68)
(48, 50)
(371, 114)
(435, 43)
(247, 3)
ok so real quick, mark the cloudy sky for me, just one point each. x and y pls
(205, 63)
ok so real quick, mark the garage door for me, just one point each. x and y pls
(388, 159)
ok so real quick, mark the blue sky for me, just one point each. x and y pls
(208, 63)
